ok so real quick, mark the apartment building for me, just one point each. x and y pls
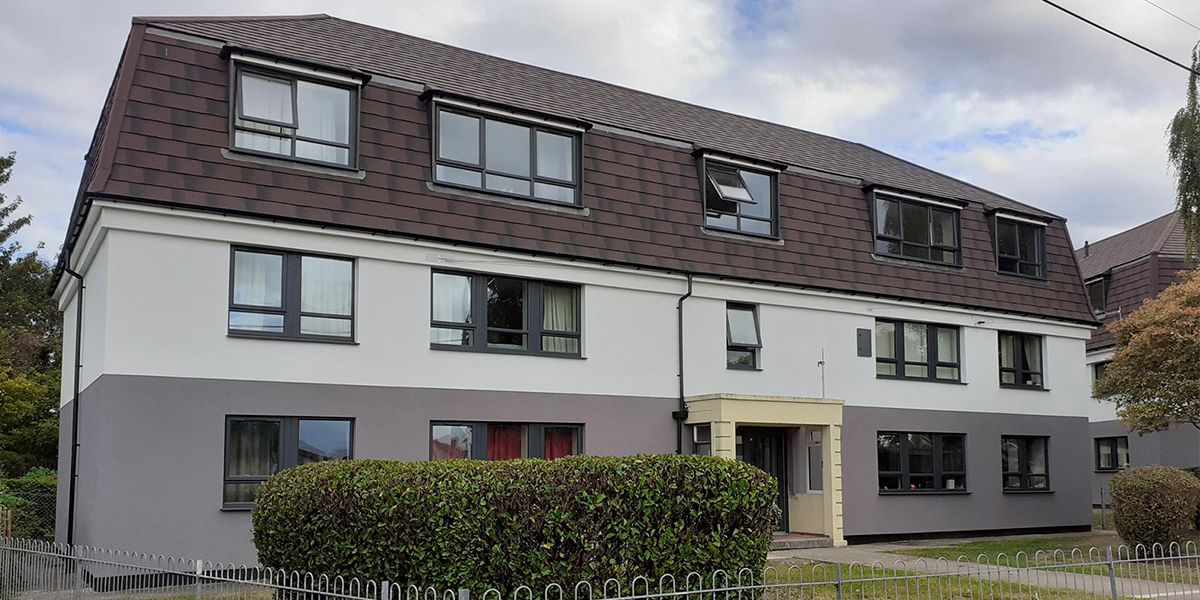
(303, 238)
(1120, 273)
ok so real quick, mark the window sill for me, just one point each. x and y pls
(741, 236)
(1026, 492)
(271, 160)
(929, 493)
(474, 350)
(750, 369)
(1028, 388)
(918, 379)
(285, 338)
(1108, 471)
(237, 507)
(917, 262)
(492, 196)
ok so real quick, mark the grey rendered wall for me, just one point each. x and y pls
(986, 507)
(150, 474)
(1178, 446)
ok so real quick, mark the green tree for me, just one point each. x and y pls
(30, 338)
(1154, 376)
(1183, 153)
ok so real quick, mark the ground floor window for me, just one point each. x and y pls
(1112, 453)
(257, 447)
(921, 462)
(1025, 462)
(702, 439)
(503, 441)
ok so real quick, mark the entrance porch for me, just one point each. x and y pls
(796, 440)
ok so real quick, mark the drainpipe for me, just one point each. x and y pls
(75, 406)
(681, 414)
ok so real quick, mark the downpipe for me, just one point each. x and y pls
(681, 413)
(74, 472)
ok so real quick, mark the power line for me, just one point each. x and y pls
(1122, 38)
(1177, 17)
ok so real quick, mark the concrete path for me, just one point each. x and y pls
(1098, 585)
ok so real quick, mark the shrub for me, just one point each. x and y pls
(1154, 504)
(31, 498)
(479, 525)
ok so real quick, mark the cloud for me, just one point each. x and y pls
(1013, 96)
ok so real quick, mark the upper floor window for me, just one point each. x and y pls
(505, 314)
(1097, 290)
(914, 229)
(739, 199)
(281, 114)
(1098, 370)
(287, 294)
(921, 462)
(916, 350)
(1020, 359)
(1024, 462)
(1112, 453)
(506, 156)
(259, 447)
(742, 336)
(1020, 247)
(503, 441)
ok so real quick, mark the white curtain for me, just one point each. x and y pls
(324, 114)
(560, 312)
(555, 156)
(257, 279)
(326, 285)
(268, 99)
(451, 298)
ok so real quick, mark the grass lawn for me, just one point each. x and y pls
(901, 585)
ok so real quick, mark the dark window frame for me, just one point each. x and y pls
(1040, 239)
(292, 277)
(1022, 461)
(1018, 354)
(878, 196)
(905, 472)
(535, 436)
(773, 174)
(754, 349)
(535, 125)
(932, 361)
(236, 114)
(1114, 442)
(1104, 282)
(534, 316)
(289, 449)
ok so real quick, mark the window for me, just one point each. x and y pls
(506, 157)
(258, 447)
(1020, 359)
(922, 462)
(286, 294)
(1112, 453)
(504, 314)
(816, 464)
(702, 439)
(279, 114)
(504, 441)
(739, 199)
(1020, 247)
(916, 350)
(742, 336)
(1023, 460)
(916, 230)
(1098, 370)
(1097, 290)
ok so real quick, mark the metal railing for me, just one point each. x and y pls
(37, 570)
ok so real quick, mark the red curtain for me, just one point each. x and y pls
(560, 442)
(506, 442)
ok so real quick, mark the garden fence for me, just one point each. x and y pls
(38, 570)
(30, 515)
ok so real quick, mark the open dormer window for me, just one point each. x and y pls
(280, 113)
(1020, 247)
(739, 198)
(914, 228)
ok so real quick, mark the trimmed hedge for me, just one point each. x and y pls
(479, 525)
(1154, 504)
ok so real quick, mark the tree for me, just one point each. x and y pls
(1154, 376)
(30, 336)
(1183, 153)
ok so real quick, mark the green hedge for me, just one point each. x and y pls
(478, 524)
(1154, 504)
(32, 501)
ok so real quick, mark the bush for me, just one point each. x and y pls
(1154, 504)
(479, 525)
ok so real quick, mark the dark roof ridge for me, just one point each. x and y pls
(219, 18)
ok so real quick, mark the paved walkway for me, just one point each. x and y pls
(1099, 585)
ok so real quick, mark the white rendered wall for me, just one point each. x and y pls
(165, 307)
(1098, 410)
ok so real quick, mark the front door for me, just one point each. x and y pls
(766, 448)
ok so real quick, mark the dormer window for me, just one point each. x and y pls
(1020, 246)
(287, 114)
(739, 198)
(916, 228)
(1097, 290)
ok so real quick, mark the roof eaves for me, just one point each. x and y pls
(219, 18)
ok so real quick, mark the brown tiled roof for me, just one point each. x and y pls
(1163, 235)
(347, 44)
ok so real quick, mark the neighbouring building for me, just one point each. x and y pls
(303, 238)
(1120, 273)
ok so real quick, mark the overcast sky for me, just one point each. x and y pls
(1011, 95)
